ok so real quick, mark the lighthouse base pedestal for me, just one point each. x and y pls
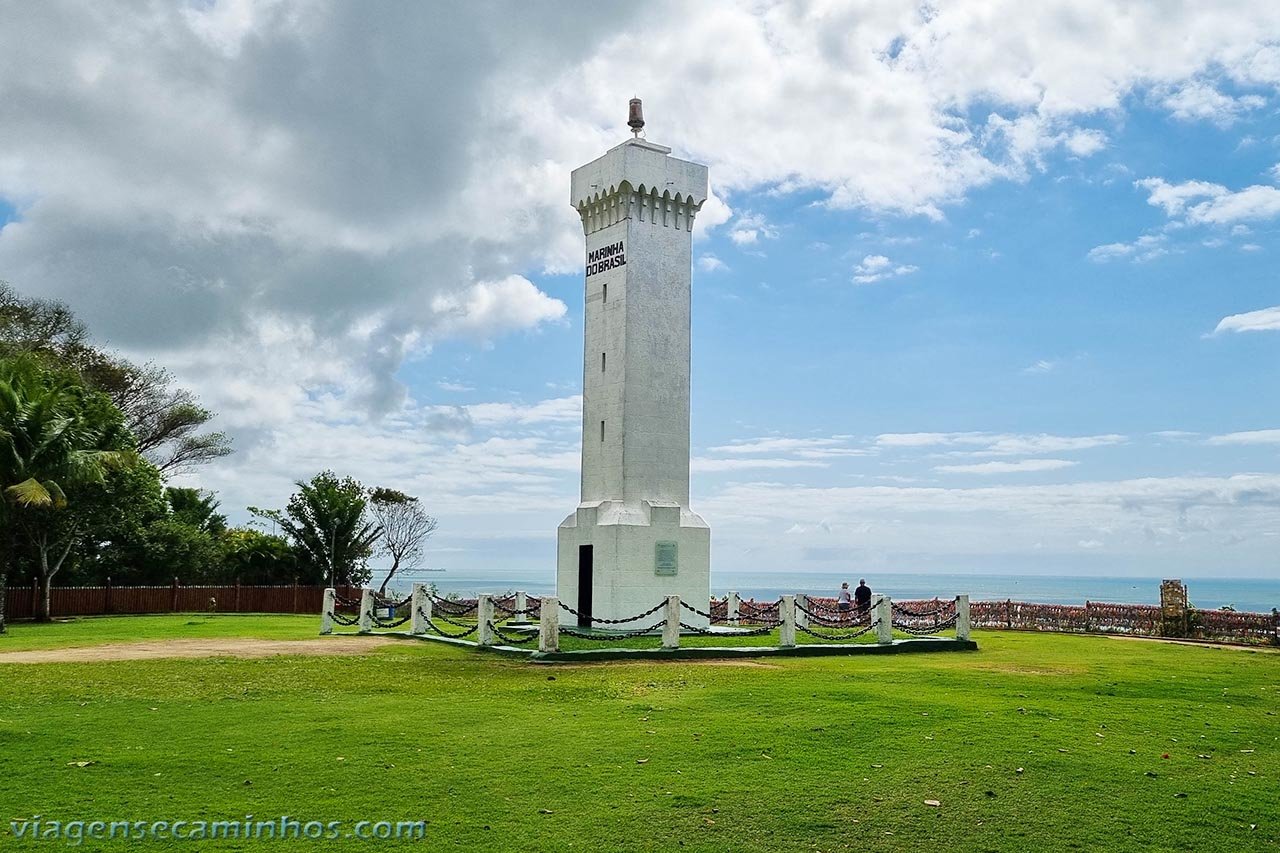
(633, 555)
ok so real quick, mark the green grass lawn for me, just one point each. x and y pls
(96, 630)
(1035, 742)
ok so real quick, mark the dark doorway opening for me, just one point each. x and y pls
(584, 586)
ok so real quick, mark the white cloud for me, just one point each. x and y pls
(1083, 143)
(565, 410)
(875, 268)
(1250, 203)
(1017, 445)
(704, 465)
(928, 439)
(710, 263)
(1041, 366)
(1257, 436)
(777, 444)
(1200, 101)
(1214, 204)
(1262, 320)
(493, 307)
(998, 444)
(805, 448)
(1173, 198)
(454, 387)
(1022, 466)
(750, 228)
(1181, 521)
(1148, 247)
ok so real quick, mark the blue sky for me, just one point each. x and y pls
(1005, 325)
(982, 288)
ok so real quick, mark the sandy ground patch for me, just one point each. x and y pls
(232, 647)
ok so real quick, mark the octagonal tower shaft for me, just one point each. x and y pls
(637, 206)
(633, 540)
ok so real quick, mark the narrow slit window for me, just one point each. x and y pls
(602, 362)
(602, 430)
(604, 290)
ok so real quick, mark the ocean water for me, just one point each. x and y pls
(1257, 594)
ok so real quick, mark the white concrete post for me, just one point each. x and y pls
(366, 611)
(962, 617)
(671, 630)
(326, 610)
(884, 619)
(522, 604)
(421, 607)
(732, 605)
(484, 615)
(787, 613)
(802, 618)
(549, 625)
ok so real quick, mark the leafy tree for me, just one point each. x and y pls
(55, 435)
(406, 527)
(138, 532)
(165, 421)
(331, 533)
(196, 507)
(44, 328)
(174, 549)
(256, 557)
(116, 516)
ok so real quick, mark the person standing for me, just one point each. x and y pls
(844, 602)
(862, 595)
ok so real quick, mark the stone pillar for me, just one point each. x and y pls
(884, 619)
(787, 613)
(522, 604)
(802, 618)
(549, 625)
(484, 617)
(421, 612)
(326, 611)
(732, 605)
(962, 617)
(671, 630)
(366, 611)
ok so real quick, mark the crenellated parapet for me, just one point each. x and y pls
(638, 180)
(644, 204)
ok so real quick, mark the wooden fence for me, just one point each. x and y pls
(21, 601)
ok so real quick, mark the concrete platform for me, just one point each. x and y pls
(913, 645)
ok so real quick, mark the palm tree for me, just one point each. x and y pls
(54, 435)
(329, 528)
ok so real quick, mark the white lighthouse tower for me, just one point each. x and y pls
(633, 538)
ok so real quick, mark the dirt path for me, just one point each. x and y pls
(234, 647)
